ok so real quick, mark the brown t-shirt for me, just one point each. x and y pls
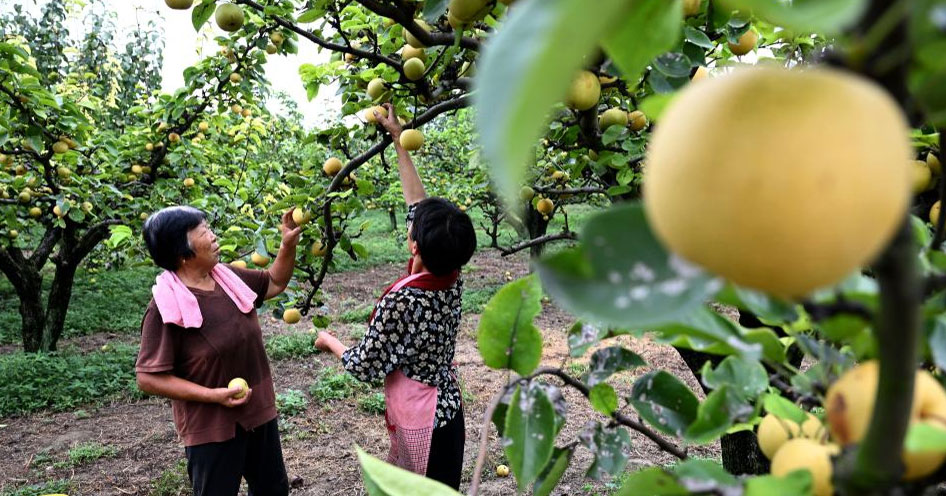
(229, 344)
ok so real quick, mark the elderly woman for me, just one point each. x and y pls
(412, 333)
(199, 332)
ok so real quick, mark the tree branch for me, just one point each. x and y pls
(538, 241)
(405, 17)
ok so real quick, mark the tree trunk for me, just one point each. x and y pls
(32, 316)
(393, 218)
(537, 227)
(57, 304)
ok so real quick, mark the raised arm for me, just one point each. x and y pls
(410, 181)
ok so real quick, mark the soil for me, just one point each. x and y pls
(318, 445)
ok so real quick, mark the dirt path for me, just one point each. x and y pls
(318, 444)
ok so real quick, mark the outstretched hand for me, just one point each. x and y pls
(290, 230)
(390, 122)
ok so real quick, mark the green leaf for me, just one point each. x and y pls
(706, 330)
(653, 106)
(529, 433)
(311, 15)
(620, 275)
(582, 336)
(673, 64)
(704, 470)
(603, 398)
(665, 402)
(782, 408)
(652, 482)
(746, 378)
(389, 480)
(697, 37)
(526, 67)
(937, 342)
(506, 336)
(925, 437)
(433, 9)
(202, 12)
(608, 361)
(650, 28)
(766, 307)
(797, 483)
(715, 415)
(810, 16)
(553, 472)
(609, 446)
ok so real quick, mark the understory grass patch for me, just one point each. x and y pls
(62, 486)
(172, 481)
(67, 379)
(291, 402)
(372, 403)
(288, 346)
(334, 384)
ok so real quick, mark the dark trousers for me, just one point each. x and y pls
(446, 452)
(215, 469)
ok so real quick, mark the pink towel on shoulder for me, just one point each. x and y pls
(178, 305)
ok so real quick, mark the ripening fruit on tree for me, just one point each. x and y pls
(277, 38)
(584, 92)
(235, 77)
(229, 17)
(25, 196)
(376, 89)
(545, 206)
(773, 432)
(188, 182)
(246, 112)
(411, 139)
(332, 166)
(179, 4)
(301, 217)
(637, 120)
(414, 69)
(271, 49)
(691, 7)
(318, 249)
(781, 222)
(238, 263)
(259, 260)
(468, 11)
(612, 117)
(291, 316)
(411, 39)
(526, 193)
(849, 404)
(746, 43)
(933, 162)
(922, 176)
(369, 113)
(174, 137)
(701, 73)
(934, 212)
(60, 147)
(409, 52)
(804, 453)
(36, 212)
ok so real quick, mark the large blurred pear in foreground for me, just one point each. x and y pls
(780, 180)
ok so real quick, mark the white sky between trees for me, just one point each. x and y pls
(183, 47)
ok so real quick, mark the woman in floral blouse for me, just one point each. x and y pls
(412, 333)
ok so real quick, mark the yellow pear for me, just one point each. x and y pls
(414, 69)
(235, 77)
(411, 39)
(318, 249)
(545, 206)
(933, 162)
(637, 120)
(934, 212)
(922, 176)
(612, 117)
(746, 43)
(701, 73)
(259, 260)
(780, 222)
(691, 8)
(376, 89)
(188, 182)
(229, 17)
(409, 52)
(332, 166)
(369, 113)
(241, 383)
(773, 432)
(301, 217)
(411, 139)
(179, 4)
(291, 316)
(584, 92)
(804, 453)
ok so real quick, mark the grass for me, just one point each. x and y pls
(289, 346)
(333, 384)
(291, 402)
(172, 481)
(356, 315)
(372, 403)
(62, 486)
(474, 300)
(86, 453)
(65, 380)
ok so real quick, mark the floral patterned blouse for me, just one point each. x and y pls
(414, 330)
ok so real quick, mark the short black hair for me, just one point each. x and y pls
(165, 234)
(444, 235)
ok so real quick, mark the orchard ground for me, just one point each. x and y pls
(100, 436)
